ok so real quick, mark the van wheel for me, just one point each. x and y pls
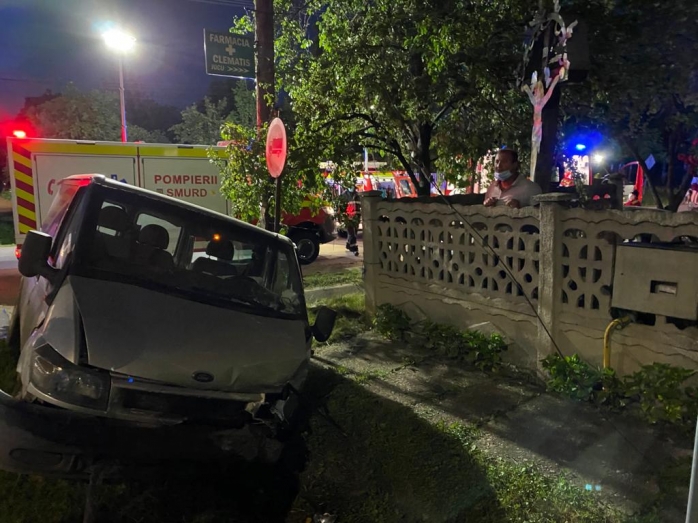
(308, 246)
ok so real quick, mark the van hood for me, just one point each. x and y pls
(156, 336)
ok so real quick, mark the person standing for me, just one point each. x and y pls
(352, 217)
(510, 188)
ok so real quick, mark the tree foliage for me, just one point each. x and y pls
(201, 127)
(642, 87)
(420, 81)
(76, 115)
(244, 109)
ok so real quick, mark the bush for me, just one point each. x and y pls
(391, 322)
(571, 376)
(656, 387)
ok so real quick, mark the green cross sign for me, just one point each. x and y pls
(228, 54)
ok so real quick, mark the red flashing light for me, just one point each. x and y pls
(18, 251)
(19, 133)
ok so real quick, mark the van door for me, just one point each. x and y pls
(50, 168)
(194, 180)
(33, 304)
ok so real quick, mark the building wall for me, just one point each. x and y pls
(425, 259)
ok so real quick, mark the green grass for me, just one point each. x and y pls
(329, 279)
(397, 466)
(7, 233)
(8, 364)
(352, 318)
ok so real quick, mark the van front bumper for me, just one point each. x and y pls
(40, 439)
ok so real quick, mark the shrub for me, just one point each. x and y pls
(391, 322)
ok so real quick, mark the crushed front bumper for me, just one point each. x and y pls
(40, 439)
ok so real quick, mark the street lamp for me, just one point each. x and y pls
(122, 43)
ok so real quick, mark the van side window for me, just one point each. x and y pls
(58, 208)
(158, 224)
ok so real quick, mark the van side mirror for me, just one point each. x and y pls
(33, 260)
(324, 323)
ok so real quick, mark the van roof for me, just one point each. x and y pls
(100, 179)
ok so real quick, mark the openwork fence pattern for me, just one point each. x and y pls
(429, 243)
(587, 252)
(428, 255)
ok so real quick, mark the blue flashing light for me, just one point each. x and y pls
(580, 146)
(130, 379)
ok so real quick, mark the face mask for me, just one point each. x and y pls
(502, 176)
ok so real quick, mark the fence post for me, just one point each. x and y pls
(369, 216)
(550, 271)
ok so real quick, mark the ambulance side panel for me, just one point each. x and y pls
(194, 180)
(51, 168)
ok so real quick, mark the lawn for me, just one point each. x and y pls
(329, 279)
(371, 458)
(7, 233)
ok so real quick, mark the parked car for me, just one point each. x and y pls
(148, 327)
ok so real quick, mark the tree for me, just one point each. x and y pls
(77, 115)
(642, 87)
(144, 112)
(244, 105)
(201, 127)
(401, 78)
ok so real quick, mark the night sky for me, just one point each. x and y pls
(44, 44)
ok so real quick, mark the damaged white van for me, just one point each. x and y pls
(148, 327)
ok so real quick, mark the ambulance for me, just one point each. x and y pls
(179, 171)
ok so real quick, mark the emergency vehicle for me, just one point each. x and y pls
(178, 171)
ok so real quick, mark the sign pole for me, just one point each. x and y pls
(277, 206)
(276, 159)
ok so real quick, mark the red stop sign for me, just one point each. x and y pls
(276, 147)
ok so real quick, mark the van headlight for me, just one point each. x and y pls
(56, 377)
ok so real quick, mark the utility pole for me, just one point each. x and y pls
(122, 101)
(264, 43)
(264, 50)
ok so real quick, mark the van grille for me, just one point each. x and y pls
(203, 410)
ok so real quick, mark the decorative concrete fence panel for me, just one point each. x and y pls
(456, 266)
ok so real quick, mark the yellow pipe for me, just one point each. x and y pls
(619, 322)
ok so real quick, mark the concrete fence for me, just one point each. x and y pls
(422, 257)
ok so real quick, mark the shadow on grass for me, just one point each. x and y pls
(391, 466)
(381, 463)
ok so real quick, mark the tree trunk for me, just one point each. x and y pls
(671, 146)
(423, 156)
(546, 156)
(677, 197)
(648, 181)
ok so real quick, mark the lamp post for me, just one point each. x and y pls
(122, 43)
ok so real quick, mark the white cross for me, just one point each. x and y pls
(230, 49)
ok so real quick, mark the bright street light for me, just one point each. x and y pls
(598, 158)
(122, 43)
(119, 41)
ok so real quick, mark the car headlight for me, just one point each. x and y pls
(56, 377)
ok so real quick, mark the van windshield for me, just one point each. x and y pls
(144, 241)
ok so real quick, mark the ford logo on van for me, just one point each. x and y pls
(202, 377)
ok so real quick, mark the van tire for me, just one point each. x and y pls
(308, 246)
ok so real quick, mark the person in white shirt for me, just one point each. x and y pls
(509, 187)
